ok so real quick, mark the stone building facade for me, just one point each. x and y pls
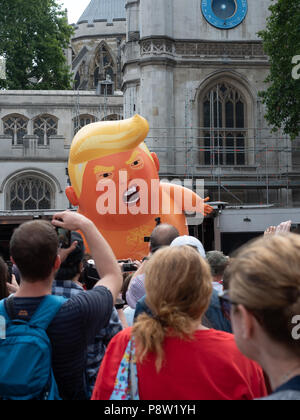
(96, 45)
(37, 127)
(195, 71)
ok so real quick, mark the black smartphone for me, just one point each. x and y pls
(295, 228)
(120, 303)
(10, 271)
(129, 268)
(90, 275)
(64, 237)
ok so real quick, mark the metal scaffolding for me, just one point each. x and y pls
(271, 163)
(267, 163)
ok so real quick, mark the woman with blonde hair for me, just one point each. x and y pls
(178, 358)
(265, 299)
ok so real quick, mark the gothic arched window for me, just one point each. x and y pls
(77, 81)
(113, 117)
(81, 77)
(30, 193)
(104, 66)
(15, 126)
(45, 126)
(224, 126)
(82, 121)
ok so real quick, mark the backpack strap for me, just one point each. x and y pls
(47, 311)
(42, 317)
(4, 310)
(10, 308)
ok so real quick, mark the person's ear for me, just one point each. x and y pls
(247, 321)
(72, 197)
(57, 263)
(81, 267)
(12, 261)
(156, 161)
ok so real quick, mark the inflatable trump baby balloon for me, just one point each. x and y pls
(115, 183)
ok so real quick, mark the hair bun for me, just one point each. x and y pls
(161, 321)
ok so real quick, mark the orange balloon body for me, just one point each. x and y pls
(122, 195)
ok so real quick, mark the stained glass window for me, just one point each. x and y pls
(15, 126)
(104, 66)
(30, 193)
(45, 126)
(82, 121)
(224, 116)
(113, 117)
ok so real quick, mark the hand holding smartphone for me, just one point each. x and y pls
(64, 237)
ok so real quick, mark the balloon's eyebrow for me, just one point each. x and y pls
(134, 155)
(99, 169)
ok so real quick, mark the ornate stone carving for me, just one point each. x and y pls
(202, 49)
(146, 47)
(228, 49)
(157, 46)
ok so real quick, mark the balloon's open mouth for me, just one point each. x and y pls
(132, 195)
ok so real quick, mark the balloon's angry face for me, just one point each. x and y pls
(114, 184)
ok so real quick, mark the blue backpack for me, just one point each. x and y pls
(26, 353)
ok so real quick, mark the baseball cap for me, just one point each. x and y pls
(189, 241)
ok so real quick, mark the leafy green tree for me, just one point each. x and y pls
(282, 43)
(33, 35)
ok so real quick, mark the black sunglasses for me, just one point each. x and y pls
(226, 305)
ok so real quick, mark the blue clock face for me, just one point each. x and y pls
(225, 14)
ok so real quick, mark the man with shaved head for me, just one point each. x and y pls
(163, 235)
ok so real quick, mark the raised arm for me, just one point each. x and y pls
(186, 200)
(105, 260)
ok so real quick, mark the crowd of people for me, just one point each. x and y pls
(182, 324)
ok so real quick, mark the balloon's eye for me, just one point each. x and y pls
(104, 176)
(137, 164)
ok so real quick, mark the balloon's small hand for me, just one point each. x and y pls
(207, 208)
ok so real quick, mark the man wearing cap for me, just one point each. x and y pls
(136, 296)
(163, 235)
(189, 241)
(213, 317)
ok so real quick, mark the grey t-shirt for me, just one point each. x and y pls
(283, 396)
(287, 392)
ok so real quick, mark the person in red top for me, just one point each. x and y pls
(178, 358)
